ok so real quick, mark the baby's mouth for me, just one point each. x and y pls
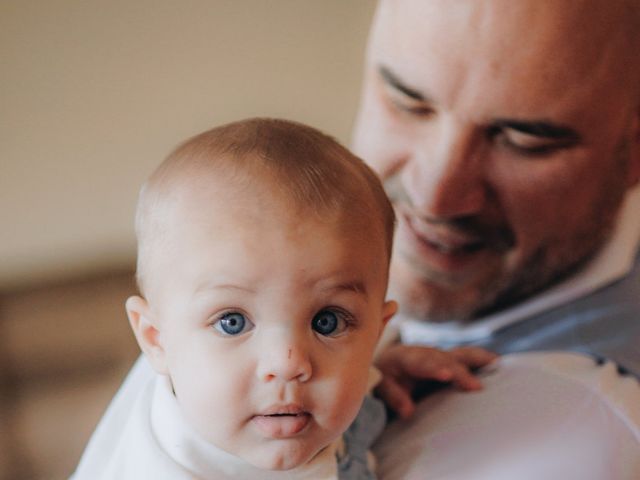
(282, 422)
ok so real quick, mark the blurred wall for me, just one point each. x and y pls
(94, 94)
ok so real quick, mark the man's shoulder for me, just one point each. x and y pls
(556, 412)
(604, 323)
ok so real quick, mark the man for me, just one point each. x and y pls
(508, 134)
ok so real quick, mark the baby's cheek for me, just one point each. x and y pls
(345, 402)
(198, 412)
(207, 409)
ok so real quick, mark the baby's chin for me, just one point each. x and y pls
(283, 457)
(279, 463)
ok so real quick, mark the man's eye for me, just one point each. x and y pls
(414, 109)
(530, 144)
(330, 323)
(410, 107)
(232, 323)
(406, 104)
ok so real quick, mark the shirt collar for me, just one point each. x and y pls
(612, 262)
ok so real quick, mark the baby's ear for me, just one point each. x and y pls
(389, 309)
(145, 328)
(390, 335)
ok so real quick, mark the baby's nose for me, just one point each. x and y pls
(285, 361)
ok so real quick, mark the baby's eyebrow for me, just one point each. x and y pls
(356, 286)
(208, 286)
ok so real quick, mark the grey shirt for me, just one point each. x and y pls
(604, 324)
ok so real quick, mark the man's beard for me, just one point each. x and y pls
(546, 266)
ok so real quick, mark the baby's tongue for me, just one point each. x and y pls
(281, 426)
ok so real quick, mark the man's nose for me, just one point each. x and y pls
(284, 359)
(445, 177)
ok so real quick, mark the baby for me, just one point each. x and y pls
(263, 255)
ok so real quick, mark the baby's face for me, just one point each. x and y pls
(268, 323)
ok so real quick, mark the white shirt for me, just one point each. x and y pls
(553, 416)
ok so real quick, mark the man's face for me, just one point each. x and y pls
(268, 321)
(506, 137)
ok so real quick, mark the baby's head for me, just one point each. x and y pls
(263, 255)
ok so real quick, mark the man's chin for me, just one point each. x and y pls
(440, 300)
(436, 304)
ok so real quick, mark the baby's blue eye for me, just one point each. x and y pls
(233, 323)
(328, 323)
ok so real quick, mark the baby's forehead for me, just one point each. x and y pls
(252, 187)
(237, 220)
(259, 200)
(240, 210)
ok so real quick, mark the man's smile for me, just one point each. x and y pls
(440, 248)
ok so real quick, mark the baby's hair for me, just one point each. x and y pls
(311, 170)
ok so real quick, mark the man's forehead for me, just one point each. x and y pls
(472, 13)
(523, 25)
(544, 47)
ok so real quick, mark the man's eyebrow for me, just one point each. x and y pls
(393, 81)
(538, 128)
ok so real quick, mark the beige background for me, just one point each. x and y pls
(94, 93)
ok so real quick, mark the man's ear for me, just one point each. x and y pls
(147, 332)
